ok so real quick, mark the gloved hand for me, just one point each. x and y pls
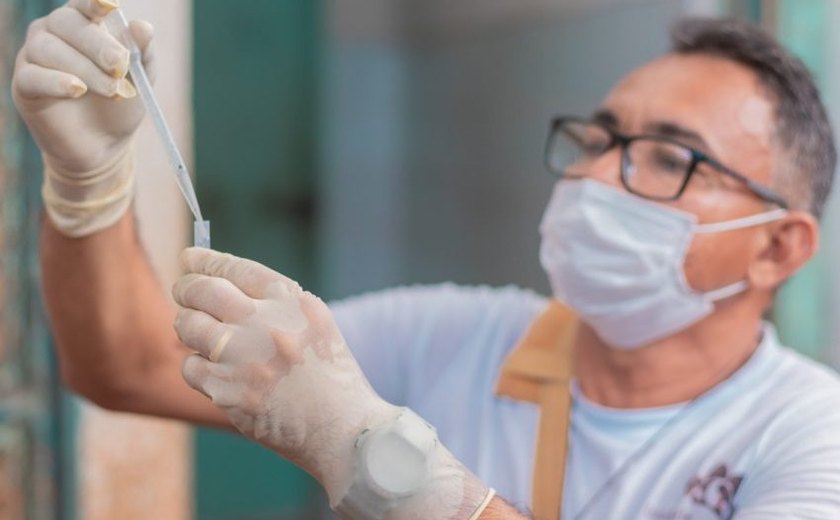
(71, 89)
(272, 358)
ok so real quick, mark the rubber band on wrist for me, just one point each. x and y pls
(483, 505)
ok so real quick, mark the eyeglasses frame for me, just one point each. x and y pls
(697, 157)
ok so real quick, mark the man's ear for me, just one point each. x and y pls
(787, 246)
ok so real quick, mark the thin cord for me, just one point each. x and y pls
(635, 455)
(654, 438)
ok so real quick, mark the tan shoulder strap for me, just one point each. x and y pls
(539, 370)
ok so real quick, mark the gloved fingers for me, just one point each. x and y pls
(217, 297)
(217, 382)
(232, 392)
(94, 10)
(250, 277)
(196, 373)
(143, 32)
(292, 345)
(223, 343)
(243, 421)
(35, 82)
(202, 333)
(319, 316)
(90, 39)
(50, 51)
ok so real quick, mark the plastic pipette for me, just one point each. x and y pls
(119, 24)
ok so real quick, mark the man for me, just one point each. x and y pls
(683, 204)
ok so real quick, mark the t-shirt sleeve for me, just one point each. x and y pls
(375, 326)
(402, 337)
(798, 476)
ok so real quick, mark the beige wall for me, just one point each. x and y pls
(133, 467)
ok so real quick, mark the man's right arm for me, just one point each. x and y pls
(112, 324)
(111, 320)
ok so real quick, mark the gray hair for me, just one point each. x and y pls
(802, 127)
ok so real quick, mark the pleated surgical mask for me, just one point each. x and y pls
(617, 260)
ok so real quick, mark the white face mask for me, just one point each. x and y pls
(617, 260)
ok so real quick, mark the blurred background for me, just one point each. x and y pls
(352, 145)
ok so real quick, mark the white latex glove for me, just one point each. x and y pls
(71, 89)
(272, 358)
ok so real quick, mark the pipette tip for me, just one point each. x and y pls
(201, 233)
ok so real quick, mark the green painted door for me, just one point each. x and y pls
(36, 433)
(256, 66)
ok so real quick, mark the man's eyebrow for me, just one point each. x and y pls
(668, 129)
(679, 133)
(606, 117)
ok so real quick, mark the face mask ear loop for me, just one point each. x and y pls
(743, 222)
(726, 291)
(729, 225)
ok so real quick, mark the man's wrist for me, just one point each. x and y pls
(498, 509)
(82, 204)
(335, 465)
(391, 461)
(399, 469)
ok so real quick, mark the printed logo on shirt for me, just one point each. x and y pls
(712, 494)
(715, 491)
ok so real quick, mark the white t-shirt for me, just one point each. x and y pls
(764, 444)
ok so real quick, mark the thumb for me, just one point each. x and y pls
(143, 32)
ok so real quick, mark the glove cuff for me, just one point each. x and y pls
(80, 205)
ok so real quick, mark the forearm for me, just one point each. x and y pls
(112, 324)
(498, 509)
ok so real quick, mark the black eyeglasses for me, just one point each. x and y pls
(653, 167)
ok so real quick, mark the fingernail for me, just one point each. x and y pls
(108, 4)
(77, 88)
(117, 62)
(125, 90)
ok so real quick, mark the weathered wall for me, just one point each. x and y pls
(132, 467)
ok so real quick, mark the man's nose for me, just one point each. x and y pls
(605, 168)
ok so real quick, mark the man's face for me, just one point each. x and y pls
(717, 107)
